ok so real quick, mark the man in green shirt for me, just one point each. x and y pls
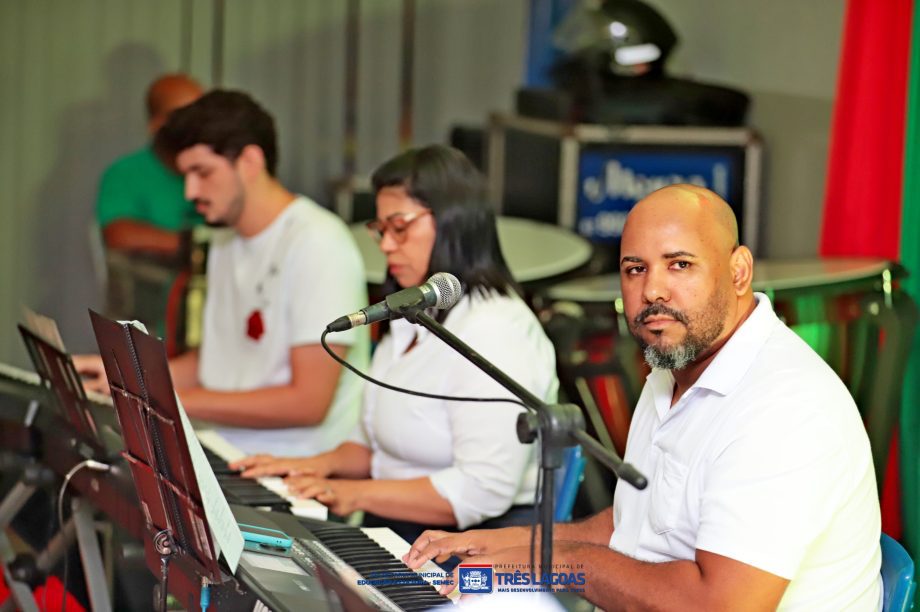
(142, 212)
(141, 205)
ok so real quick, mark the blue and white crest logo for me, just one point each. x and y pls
(475, 578)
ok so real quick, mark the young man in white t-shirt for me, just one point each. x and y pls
(282, 270)
(761, 488)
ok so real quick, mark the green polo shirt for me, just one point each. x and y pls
(139, 187)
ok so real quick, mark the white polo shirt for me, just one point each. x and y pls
(469, 450)
(764, 460)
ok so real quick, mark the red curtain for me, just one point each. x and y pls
(863, 195)
(862, 208)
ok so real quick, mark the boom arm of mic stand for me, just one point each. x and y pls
(559, 426)
(620, 468)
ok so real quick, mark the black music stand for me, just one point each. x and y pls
(58, 374)
(59, 378)
(156, 449)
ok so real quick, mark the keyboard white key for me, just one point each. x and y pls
(29, 377)
(99, 398)
(308, 508)
(396, 546)
(18, 374)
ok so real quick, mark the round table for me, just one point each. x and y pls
(769, 276)
(533, 250)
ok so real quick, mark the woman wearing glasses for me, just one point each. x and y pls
(420, 462)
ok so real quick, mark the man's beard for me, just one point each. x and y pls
(702, 331)
(234, 211)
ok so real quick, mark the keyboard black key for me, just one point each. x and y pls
(243, 491)
(373, 562)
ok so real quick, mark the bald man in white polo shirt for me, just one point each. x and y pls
(762, 491)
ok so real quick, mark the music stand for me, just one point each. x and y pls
(59, 376)
(156, 448)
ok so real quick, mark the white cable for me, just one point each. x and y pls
(97, 465)
(93, 465)
(88, 463)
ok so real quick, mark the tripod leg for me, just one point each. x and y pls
(20, 592)
(56, 548)
(14, 501)
(90, 556)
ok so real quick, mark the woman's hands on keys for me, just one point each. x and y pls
(255, 466)
(342, 496)
(92, 372)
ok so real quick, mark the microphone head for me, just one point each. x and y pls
(446, 288)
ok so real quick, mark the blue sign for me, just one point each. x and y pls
(475, 578)
(611, 182)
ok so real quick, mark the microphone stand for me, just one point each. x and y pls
(558, 426)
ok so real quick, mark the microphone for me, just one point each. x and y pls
(440, 291)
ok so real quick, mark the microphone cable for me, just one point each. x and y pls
(380, 383)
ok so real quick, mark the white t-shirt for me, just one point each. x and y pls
(764, 460)
(469, 450)
(300, 273)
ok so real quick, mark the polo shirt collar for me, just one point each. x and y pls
(732, 362)
(726, 371)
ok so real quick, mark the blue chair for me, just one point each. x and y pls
(898, 583)
(567, 482)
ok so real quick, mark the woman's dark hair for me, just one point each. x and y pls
(226, 121)
(466, 245)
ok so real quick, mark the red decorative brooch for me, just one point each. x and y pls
(254, 325)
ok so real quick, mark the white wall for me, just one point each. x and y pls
(783, 53)
(73, 73)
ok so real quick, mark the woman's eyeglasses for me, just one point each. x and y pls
(396, 224)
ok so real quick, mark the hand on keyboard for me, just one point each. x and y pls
(341, 496)
(92, 371)
(255, 466)
(441, 545)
